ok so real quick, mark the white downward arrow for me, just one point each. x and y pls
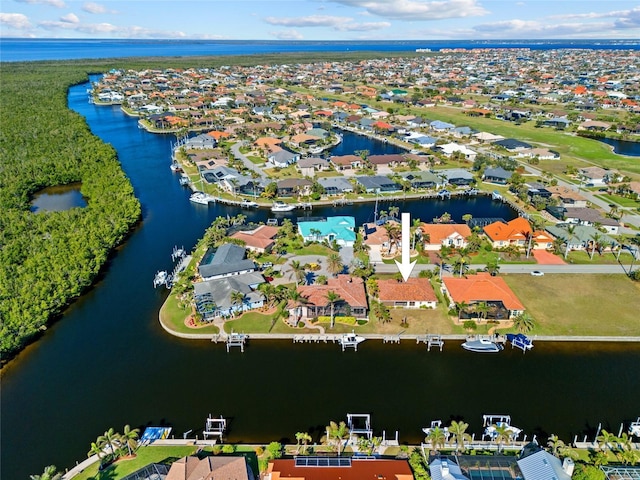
(407, 265)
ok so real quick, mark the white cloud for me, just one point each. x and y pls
(533, 29)
(16, 21)
(70, 18)
(412, 10)
(96, 8)
(341, 24)
(287, 35)
(53, 3)
(110, 29)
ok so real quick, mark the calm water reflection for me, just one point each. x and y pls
(107, 362)
(58, 199)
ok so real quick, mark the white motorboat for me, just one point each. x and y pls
(482, 346)
(493, 422)
(520, 340)
(282, 207)
(351, 340)
(436, 424)
(634, 428)
(200, 197)
(160, 278)
(248, 204)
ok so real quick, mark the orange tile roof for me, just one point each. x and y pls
(218, 135)
(359, 469)
(439, 231)
(376, 235)
(413, 290)
(267, 141)
(514, 230)
(482, 288)
(350, 289)
(261, 237)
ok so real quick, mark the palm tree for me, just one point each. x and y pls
(332, 298)
(555, 444)
(607, 441)
(372, 287)
(298, 271)
(303, 437)
(482, 309)
(394, 233)
(436, 438)
(237, 298)
(416, 231)
(50, 473)
(466, 218)
(269, 292)
(336, 432)
(492, 266)
(523, 322)
(458, 430)
(334, 263)
(443, 256)
(129, 438)
(393, 211)
(596, 238)
(503, 435)
(460, 307)
(109, 439)
(461, 260)
(297, 299)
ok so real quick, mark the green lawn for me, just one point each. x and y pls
(582, 257)
(622, 201)
(173, 317)
(574, 304)
(278, 173)
(145, 456)
(256, 160)
(313, 249)
(253, 322)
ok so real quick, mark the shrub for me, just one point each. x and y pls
(275, 450)
(216, 450)
(259, 451)
(229, 449)
(469, 325)
(345, 320)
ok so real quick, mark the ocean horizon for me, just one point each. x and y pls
(28, 49)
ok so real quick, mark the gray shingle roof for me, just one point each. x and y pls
(229, 258)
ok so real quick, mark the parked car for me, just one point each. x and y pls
(537, 273)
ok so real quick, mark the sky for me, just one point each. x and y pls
(321, 19)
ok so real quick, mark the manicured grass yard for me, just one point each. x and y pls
(145, 456)
(173, 317)
(622, 201)
(575, 304)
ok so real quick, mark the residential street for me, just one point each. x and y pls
(524, 268)
(235, 149)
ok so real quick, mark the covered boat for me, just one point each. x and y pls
(482, 346)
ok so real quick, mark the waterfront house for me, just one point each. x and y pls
(440, 126)
(353, 299)
(567, 196)
(514, 232)
(335, 185)
(496, 175)
(445, 469)
(340, 468)
(580, 237)
(210, 468)
(482, 288)
(592, 217)
(414, 293)
(227, 260)
(438, 235)
(213, 298)
(341, 229)
(290, 187)
(259, 240)
(378, 183)
(420, 139)
(346, 162)
(542, 465)
(449, 149)
(423, 179)
(456, 176)
(201, 142)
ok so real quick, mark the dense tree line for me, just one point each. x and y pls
(46, 259)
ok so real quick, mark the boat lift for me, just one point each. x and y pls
(359, 425)
(215, 427)
(236, 340)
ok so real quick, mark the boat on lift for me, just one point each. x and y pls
(436, 424)
(282, 207)
(160, 278)
(520, 340)
(248, 204)
(482, 345)
(351, 340)
(493, 422)
(634, 428)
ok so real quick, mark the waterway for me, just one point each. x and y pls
(107, 362)
(623, 147)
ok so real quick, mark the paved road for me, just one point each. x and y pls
(523, 268)
(235, 149)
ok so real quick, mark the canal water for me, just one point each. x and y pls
(623, 147)
(107, 362)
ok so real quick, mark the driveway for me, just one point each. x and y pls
(547, 258)
(235, 149)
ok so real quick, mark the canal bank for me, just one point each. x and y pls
(107, 362)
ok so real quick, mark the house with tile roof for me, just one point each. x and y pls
(346, 468)
(514, 232)
(340, 228)
(438, 235)
(485, 288)
(414, 293)
(210, 468)
(258, 240)
(353, 299)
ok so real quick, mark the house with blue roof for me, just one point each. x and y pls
(341, 229)
(440, 126)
